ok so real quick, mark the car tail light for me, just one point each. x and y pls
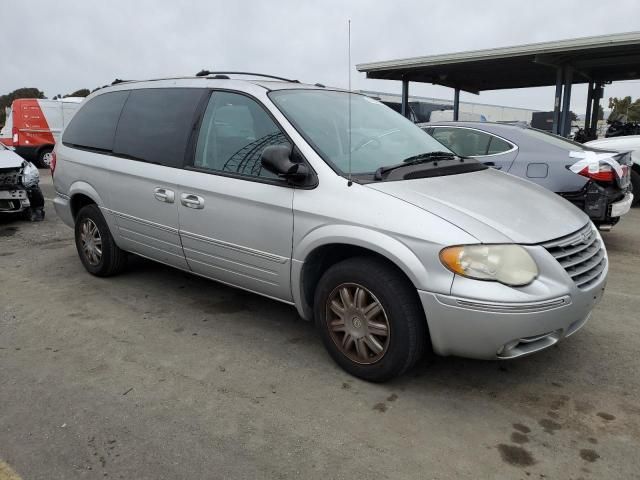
(15, 136)
(52, 164)
(604, 173)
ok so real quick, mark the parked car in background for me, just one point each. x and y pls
(596, 181)
(19, 186)
(332, 202)
(629, 143)
(33, 126)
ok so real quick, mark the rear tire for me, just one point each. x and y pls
(635, 182)
(97, 250)
(44, 157)
(372, 342)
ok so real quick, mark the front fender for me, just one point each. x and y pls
(387, 246)
(379, 242)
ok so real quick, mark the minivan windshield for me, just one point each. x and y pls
(380, 137)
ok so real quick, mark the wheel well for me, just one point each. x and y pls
(44, 148)
(322, 258)
(78, 201)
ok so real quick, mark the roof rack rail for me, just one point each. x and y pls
(206, 73)
(118, 80)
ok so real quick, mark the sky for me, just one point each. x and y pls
(63, 46)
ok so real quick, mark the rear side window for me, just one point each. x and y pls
(94, 125)
(497, 145)
(156, 123)
(462, 141)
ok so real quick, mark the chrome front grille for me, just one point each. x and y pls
(581, 254)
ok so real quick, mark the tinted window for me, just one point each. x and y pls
(464, 142)
(234, 132)
(156, 123)
(94, 125)
(497, 145)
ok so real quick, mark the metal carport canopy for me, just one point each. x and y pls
(595, 60)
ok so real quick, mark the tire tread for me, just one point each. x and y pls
(380, 273)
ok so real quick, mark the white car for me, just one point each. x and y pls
(18, 184)
(628, 143)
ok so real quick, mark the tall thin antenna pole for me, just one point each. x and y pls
(350, 182)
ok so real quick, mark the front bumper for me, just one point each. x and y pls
(623, 206)
(493, 330)
(13, 201)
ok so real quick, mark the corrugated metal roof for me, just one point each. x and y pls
(602, 58)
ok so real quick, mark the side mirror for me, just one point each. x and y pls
(278, 159)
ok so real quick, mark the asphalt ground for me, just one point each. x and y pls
(158, 374)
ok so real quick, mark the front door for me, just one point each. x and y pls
(236, 219)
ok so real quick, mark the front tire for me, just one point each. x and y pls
(97, 250)
(370, 319)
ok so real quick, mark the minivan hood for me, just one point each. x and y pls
(492, 206)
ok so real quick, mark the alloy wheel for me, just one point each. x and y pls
(357, 323)
(46, 158)
(91, 241)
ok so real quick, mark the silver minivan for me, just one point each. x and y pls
(331, 202)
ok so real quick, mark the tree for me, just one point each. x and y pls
(83, 92)
(7, 100)
(624, 106)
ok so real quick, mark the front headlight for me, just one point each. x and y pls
(508, 264)
(30, 175)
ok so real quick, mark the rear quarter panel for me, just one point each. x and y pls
(79, 172)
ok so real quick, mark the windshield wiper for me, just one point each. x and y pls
(415, 160)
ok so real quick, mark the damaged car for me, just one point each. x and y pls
(19, 186)
(596, 181)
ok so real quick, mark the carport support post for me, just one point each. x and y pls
(405, 98)
(556, 104)
(565, 121)
(456, 104)
(597, 96)
(587, 115)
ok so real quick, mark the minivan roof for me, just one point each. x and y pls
(193, 81)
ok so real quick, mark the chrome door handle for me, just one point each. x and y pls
(164, 195)
(190, 200)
